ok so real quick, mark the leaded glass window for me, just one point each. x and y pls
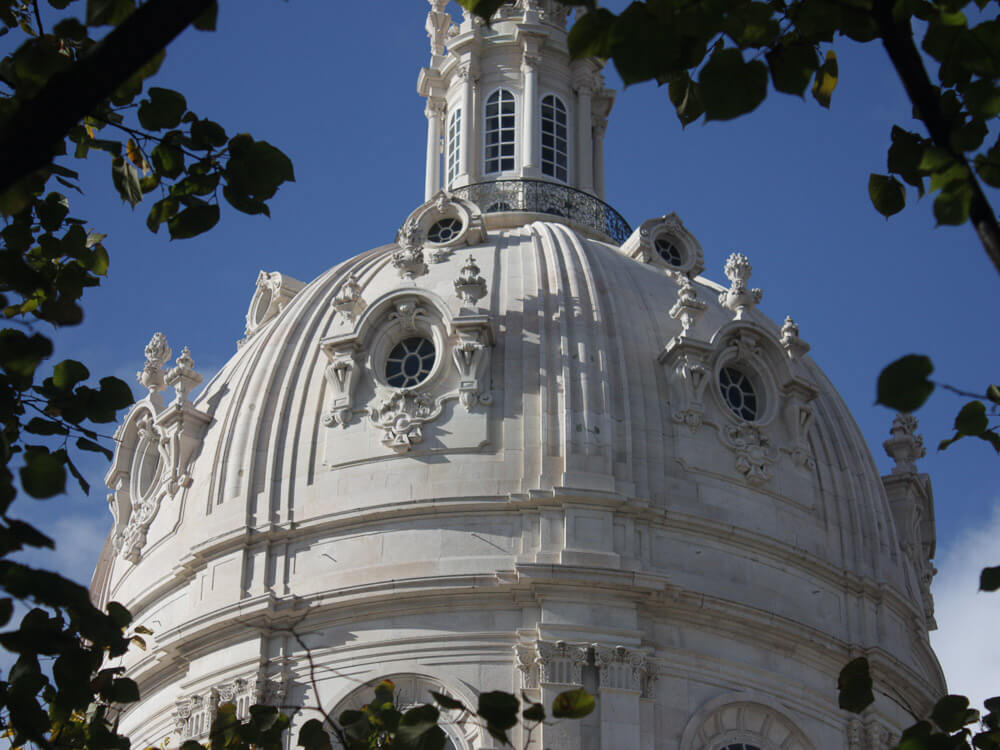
(500, 132)
(410, 362)
(555, 143)
(738, 393)
(454, 144)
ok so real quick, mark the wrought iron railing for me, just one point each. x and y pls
(543, 197)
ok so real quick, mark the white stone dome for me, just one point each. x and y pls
(569, 472)
(521, 448)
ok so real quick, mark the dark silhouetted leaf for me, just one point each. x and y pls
(904, 384)
(854, 686)
(729, 86)
(989, 580)
(887, 193)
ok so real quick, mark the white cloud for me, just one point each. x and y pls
(966, 640)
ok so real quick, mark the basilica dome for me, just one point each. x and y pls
(521, 447)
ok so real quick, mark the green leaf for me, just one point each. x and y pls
(572, 704)
(21, 354)
(729, 86)
(415, 724)
(499, 709)
(589, 36)
(206, 21)
(68, 373)
(193, 221)
(312, 736)
(683, 93)
(207, 134)
(854, 686)
(905, 155)
(953, 202)
(887, 194)
(162, 110)
(52, 211)
(448, 702)
(989, 580)
(126, 180)
(256, 168)
(86, 444)
(163, 210)
(42, 426)
(6, 610)
(43, 474)
(952, 712)
(826, 80)
(243, 202)
(124, 690)
(972, 420)
(792, 65)
(534, 712)
(482, 8)
(108, 12)
(168, 161)
(993, 393)
(904, 384)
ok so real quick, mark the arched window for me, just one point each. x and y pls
(554, 138)
(454, 144)
(500, 132)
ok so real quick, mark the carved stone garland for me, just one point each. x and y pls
(401, 415)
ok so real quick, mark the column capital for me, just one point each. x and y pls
(435, 107)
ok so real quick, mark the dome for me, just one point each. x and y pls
(520, 447)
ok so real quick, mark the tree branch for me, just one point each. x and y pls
(28, 140)
(897, 37)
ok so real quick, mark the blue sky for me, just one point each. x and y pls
(333, 85)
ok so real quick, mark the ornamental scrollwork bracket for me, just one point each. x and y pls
(471, 353)
(686, 361)
(341, 373)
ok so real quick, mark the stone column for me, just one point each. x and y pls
(434, 112)
(624, 677)
(584, 137)
(530, 119)
(560, 667)
(466, 148)
(600, 126)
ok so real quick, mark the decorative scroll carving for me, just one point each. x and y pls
(274, 291)
(738, 297)
(799, 417)
(560, 663)
(688, 308)
(471, 354)
(348, 300)
(686, 362)
(623, 669)
(754, 453)
(401, 416)
(341, 375)
(524, 655)
(790, 340)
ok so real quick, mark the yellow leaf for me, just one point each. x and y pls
(138, 642)
(133, 153)
(826, 79)
(90, 131)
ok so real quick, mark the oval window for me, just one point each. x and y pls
(410, 362)
(738, 393)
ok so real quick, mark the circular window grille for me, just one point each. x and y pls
(738, 393)
(444, 230)
(669, 252)
(410, 362)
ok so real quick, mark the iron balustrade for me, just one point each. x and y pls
(540, 196)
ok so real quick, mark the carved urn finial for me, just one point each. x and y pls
(348, 300)
(470, 286)
(738, 297)
(688, 308)
(904, 446)
(151, 375)
(183, 378)
(790, 340)
(409, 259)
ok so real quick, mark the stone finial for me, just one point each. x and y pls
(437, 25)
(348, 300)
(688, 308)
(738, 298)
(470, 286)
(151, 375)
(904, 446)
(790, 340)
(183, 378)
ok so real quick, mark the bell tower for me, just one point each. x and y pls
(506, 107)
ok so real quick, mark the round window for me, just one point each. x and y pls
(738, 393)
(669, 252)
(444, 230)
(261, 305)
(410, 362)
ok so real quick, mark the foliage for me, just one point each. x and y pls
(948, 726)
(67, 94)
(717, 57)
